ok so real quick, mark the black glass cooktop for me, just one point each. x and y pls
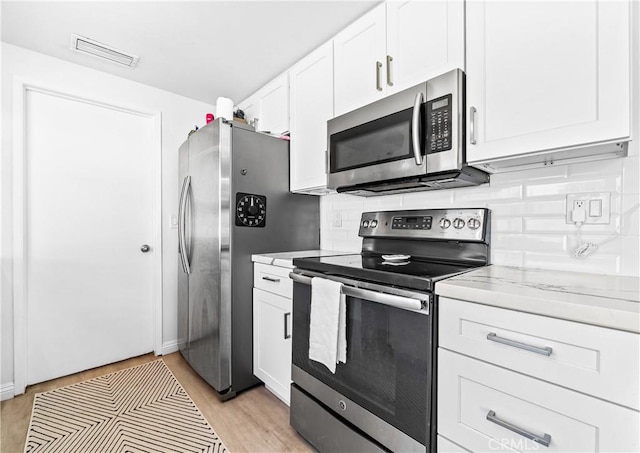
(411, 273)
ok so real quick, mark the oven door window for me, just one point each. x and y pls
(383, 140)
(387, 360)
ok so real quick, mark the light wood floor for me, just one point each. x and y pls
(254, 421)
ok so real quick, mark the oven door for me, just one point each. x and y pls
(381, 141)
(384, 388)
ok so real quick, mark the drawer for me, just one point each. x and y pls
(595, 360)
(273, 279)
(471, 391)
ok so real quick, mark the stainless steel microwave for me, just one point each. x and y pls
(411, 140)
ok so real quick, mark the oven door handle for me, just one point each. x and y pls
(391, 300)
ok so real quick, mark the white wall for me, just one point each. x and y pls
(179, 115)
(528, 215)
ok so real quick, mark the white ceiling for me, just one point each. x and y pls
(199, 49)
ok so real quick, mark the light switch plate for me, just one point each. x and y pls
(596, 205)
(336, 221)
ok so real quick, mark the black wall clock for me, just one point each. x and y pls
(251, 210)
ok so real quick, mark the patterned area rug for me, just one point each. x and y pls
(140, 409)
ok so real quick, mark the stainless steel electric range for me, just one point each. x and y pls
(383, 398)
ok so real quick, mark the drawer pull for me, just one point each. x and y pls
(516, 344)
(545, 440)
(271, 279)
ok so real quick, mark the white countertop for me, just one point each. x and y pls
(285, 259)
(602, 300)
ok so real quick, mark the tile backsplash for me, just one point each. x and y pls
(528, 225)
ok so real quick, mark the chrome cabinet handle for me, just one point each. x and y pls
(287, 335)
(271, 279)
(516, 344)
(145, 248)
(389, 79)
(415, 129)
(378, 68)
(545, 440)
(472, 135)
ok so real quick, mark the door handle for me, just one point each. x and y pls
(145, 248)
(392, 300)
(378, 68)
(182, 221)
(415, 129)
(181, 251)
(271, 279)
(287, 335)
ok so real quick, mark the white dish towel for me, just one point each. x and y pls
(328, 326)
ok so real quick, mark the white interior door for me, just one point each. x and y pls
(88, 212)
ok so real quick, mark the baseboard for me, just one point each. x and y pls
(6, 391)
(169, 347)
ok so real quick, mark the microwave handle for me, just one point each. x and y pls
(415, 129)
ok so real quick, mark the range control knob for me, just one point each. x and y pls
(473, 223)
(373, 224)
(365, 223)
(445, 223)
(458, 223)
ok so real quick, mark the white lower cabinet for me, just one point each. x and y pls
(487, 408)
(512, 381)
(272, 325)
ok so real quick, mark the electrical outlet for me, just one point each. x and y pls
(337, 219)
(597, 207)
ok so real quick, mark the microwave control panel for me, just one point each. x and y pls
(439, 128)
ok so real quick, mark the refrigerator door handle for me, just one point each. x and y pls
(182, 214)
(180, 226)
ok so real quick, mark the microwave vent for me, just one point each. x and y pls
(103, 51)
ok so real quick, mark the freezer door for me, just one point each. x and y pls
(208, 235)
(183, 277)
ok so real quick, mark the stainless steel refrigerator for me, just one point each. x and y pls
(234, 201)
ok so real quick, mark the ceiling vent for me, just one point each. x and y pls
(97, 49)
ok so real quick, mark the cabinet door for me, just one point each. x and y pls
(311, 105)
(546, 75)
(359, 59)
(272, 342)
(250, 107)
(268, 108)
(424, 39)
(274, 106)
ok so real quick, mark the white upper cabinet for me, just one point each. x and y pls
(268, 108)
(395, 46)
(546, 75)
(425, 38)
(311, 105)
(359, 56)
